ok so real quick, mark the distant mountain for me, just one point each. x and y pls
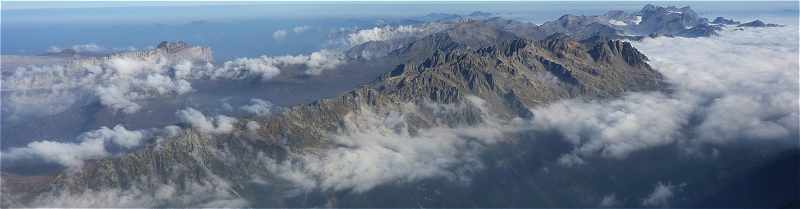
(650, 21)
(172, 50)
(724, 21)
(758, 24)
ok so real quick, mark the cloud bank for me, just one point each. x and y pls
(258, 107)
(268, 67)
(219, 124)
(386, 33)
(742, 85)
(376, 148)
(117, 82)
(121, 82)
(91, 145)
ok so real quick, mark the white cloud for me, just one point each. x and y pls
(386, 33)
(741, 85)
(570, 160)
(390, 38)
(752, 73)
(119, 135)
(301, 29)
(258, 107)
(376, 148)
(253, 126)
(91, 145)
(661, 195)
(609, 201)
(614, 128)
(268, 67)
(123, 81)
(220, 124)
(280, 34)
(118, 82)
(323, 60)
(264, 67)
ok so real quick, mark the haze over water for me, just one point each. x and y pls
(235, 30)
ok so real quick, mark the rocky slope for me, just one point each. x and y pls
(509, 72)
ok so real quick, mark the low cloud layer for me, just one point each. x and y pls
(117, 82)
(386, 33)
(258, 107)
(122, 82)
(90, 145)
(378, 148)
(219, 124)
(268, 67)
(377, 42)
(91, 47)
(742, 85)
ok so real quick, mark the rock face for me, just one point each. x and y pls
(474, 58)
(702, 30)
(667, 20)
(758, 24)
(725, 21)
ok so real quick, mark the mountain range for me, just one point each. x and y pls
(477, 70)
